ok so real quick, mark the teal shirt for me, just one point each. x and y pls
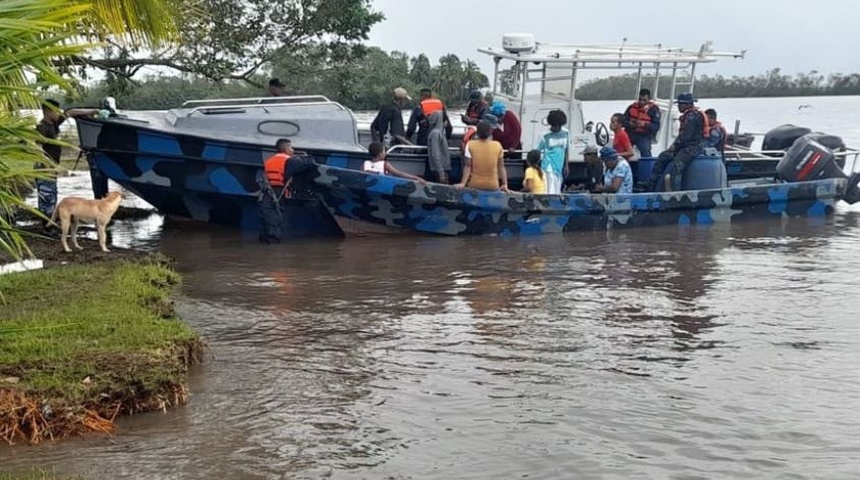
(553, 148)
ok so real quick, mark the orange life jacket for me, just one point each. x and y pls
(431, 105)
(706, 127)
(637, 113)
(470, 132)
(274, 167)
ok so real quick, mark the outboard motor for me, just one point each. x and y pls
(808, 160)
(833, 142)
(782, 137)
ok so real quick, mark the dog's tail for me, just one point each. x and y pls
(52, 220)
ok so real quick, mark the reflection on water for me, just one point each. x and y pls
(722, 352)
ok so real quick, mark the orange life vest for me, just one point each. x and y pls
(274, 167)
(470, 132)
(636, 113)
(431, 105)
(706, 127)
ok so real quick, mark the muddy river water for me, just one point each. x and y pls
(724, 352)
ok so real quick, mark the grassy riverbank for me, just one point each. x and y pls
(86, 341)
(35, 474)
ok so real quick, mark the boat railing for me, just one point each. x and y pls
(217, 105)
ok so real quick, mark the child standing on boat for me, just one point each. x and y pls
(378, 165)
(534, 181)
(554, 147)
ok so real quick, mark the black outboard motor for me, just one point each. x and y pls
(808, 160)
(783, 137)
(832, 142)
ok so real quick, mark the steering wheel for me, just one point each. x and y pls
(601, 134)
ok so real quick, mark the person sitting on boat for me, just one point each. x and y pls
(618, 177)
(593, 170)
(533, 182)
(387, 127)
(484, 164)
(273, 189)
(511, 131)
(276, 88)
(380, 166)
(418, 119)
(438, 155)
(694, 130)
(642, 121)
(472, 129)
(717, 137)
(620, 142)
(554, 146)
(476, 109)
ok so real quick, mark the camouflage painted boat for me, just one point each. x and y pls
(201, 160)
(369, 203)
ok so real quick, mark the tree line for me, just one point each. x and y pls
(363, 81)
(772, 83)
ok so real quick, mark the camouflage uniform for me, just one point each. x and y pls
(688, 145)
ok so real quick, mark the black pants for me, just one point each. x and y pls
(271, 216)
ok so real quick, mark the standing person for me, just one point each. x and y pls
(484, 164)
(387, 127)
(438, 155)
(618, 177)
(691, 138)
(555, 149)
(427, 104)
(273, 189)
(642, 121)
(476, 109)
(377, 164)
(621, 142)
(534, 180)
(510, 133)
(276, 88)
(49, 127)
(717, 135)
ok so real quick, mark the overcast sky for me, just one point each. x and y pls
(795, 36)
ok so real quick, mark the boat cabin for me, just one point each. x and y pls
(309, 121)
(534, 78)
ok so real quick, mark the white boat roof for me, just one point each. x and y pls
(620, 55)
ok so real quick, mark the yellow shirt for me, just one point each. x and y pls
(538, 182)
(485, 155)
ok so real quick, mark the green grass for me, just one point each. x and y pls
(111, 322)
(35, 474)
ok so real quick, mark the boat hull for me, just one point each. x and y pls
(396, 203)
(215, 179)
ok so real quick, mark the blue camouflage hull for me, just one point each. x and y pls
(214, 180)
(394, 203)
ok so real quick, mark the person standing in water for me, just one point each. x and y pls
(273, 189)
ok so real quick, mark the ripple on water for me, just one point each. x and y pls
(727, 352)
